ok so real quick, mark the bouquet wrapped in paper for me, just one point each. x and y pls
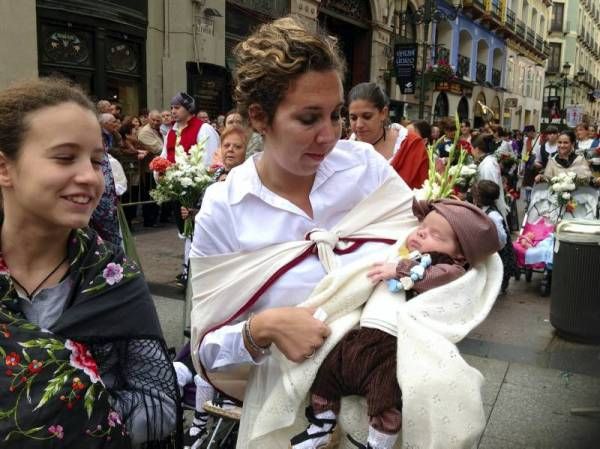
(182, 181)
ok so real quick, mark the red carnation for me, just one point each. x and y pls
(160, 164)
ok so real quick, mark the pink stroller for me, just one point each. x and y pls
(535, 242)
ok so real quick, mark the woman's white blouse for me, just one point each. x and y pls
(241, 215)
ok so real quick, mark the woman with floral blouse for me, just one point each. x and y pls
(76, 370)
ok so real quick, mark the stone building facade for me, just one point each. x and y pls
(141, 52)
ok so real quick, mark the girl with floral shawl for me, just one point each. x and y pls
(83, 362)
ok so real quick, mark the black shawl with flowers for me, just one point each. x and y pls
(101, 369)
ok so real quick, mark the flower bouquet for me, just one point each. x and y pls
(465, 177)
(507, 160)
(442, 185)
(184, 181)
(562, 186)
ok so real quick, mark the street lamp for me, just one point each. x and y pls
(429, 12)
(566, 68)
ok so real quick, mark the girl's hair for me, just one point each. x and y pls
(24, 98)
(235, 129)
(274, 56)
(423, 127)
(371, 92)
(570, 135)
(583, 125)
(485, 142)
(486, 192)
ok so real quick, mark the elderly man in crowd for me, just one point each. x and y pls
(103, 107)
(150, 136)
(167, 122)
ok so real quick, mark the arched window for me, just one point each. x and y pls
(442, 108)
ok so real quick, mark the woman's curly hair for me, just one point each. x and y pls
(274, 56)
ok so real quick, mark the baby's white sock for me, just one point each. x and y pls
(380, 440)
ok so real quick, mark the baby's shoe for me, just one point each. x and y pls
(318, 433)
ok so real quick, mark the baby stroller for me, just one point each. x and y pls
(534, 248)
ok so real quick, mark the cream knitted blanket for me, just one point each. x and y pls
(442, 404)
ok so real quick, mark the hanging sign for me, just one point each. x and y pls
(405, 61)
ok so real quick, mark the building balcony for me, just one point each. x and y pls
(496, 77)
(539, 43)
(530, 36)
(510, 20)
(496, 11)
(520, 28)
(463, 68)
(481, 73)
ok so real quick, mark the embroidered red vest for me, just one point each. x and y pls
(189, 137)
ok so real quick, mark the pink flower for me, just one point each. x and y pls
(57, 431)
(82, 359)
(113, 273)
(114, 419)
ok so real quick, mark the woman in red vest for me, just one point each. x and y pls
(405, 150)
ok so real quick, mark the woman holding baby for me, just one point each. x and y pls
(308, 205)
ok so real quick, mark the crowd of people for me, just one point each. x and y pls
(295, 219)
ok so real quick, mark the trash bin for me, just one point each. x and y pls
(575, 298)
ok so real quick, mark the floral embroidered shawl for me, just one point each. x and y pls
(103, 362)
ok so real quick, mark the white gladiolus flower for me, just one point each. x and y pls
(186, 182)
(566, 196)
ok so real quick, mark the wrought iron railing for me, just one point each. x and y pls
(520, 27)
(463, 68)
(530, 36)
(539, 42)
(496, 11)
(496, 77)
(510, 19)
(481, 73)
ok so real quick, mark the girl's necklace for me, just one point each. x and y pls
(30, 295)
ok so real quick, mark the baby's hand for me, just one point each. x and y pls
(382, 271)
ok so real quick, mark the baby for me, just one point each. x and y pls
(452, 236)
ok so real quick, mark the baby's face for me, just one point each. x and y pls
(434, 234)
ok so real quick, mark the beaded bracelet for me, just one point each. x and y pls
(255, 347)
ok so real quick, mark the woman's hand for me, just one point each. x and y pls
(185, 212)
(538, 178)
(381, 271)
(294, 330)
(141, 154)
